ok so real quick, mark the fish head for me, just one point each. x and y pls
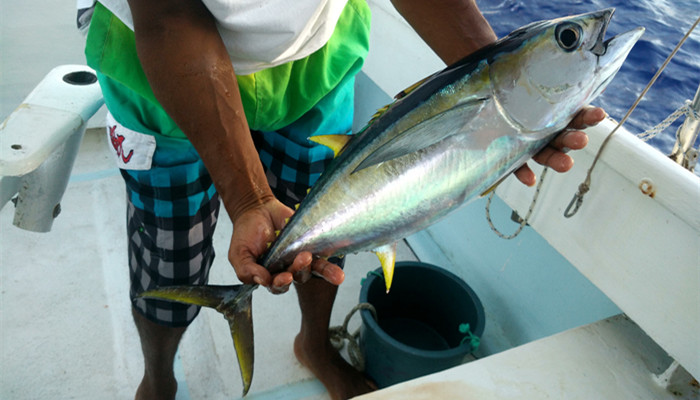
(544, 72)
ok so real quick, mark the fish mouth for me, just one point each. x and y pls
(617, 47)
(611, 53)
(604, 16)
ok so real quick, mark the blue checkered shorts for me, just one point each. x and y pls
(173, 207)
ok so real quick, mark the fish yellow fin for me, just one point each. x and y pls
(378, 113)
(235, 303)
(334, 142)
(494, 186)
(411, 88)
(387, 257)
(240, 320)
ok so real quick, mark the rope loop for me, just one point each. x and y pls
(340, 334)
(525, 220)
(575, 203)
(577, 200)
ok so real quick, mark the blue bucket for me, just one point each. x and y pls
(429, 321)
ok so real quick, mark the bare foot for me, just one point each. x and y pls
(340, 379)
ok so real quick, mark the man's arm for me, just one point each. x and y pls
(190, 72)
(192, 77)
(452, 28)
(455, 29)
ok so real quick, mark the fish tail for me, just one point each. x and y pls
(235, 303)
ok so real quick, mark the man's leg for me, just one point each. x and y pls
(312, 345)
(169, 243)
(159, 344)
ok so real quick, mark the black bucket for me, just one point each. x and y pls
(421, 325)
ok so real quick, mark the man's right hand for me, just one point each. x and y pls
(256, 227)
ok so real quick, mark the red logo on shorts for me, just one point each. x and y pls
(118, 144)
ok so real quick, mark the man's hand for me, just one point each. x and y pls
(572, 138)
(252, 230)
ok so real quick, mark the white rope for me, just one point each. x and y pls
(525, 220)
(684, 110)
(339, 334)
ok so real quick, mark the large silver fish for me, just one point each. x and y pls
(447, 140)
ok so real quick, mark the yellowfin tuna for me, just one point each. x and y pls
(450, 138)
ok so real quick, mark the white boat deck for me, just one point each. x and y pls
(66, 328)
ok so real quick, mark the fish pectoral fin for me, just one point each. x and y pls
(334, 142)
(426, 133)
(387, 257)
(234, 302)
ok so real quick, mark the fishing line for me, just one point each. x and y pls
(585, 186)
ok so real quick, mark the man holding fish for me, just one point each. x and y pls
(216, 99)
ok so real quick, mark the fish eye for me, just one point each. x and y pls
(568, 36)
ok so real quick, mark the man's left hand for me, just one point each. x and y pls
(572, 138)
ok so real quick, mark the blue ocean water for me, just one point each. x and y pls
(666, 21)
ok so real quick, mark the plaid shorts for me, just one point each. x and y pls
(178, 249)
(169, 251)
(172, 208)
(172, 211)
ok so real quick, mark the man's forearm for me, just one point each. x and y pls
(192, 77)
(452, 28)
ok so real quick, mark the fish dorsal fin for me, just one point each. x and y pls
(411, 88)
(334, 142)
(387, 257)
(378, 114)
(426, 133)
(398, 96)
